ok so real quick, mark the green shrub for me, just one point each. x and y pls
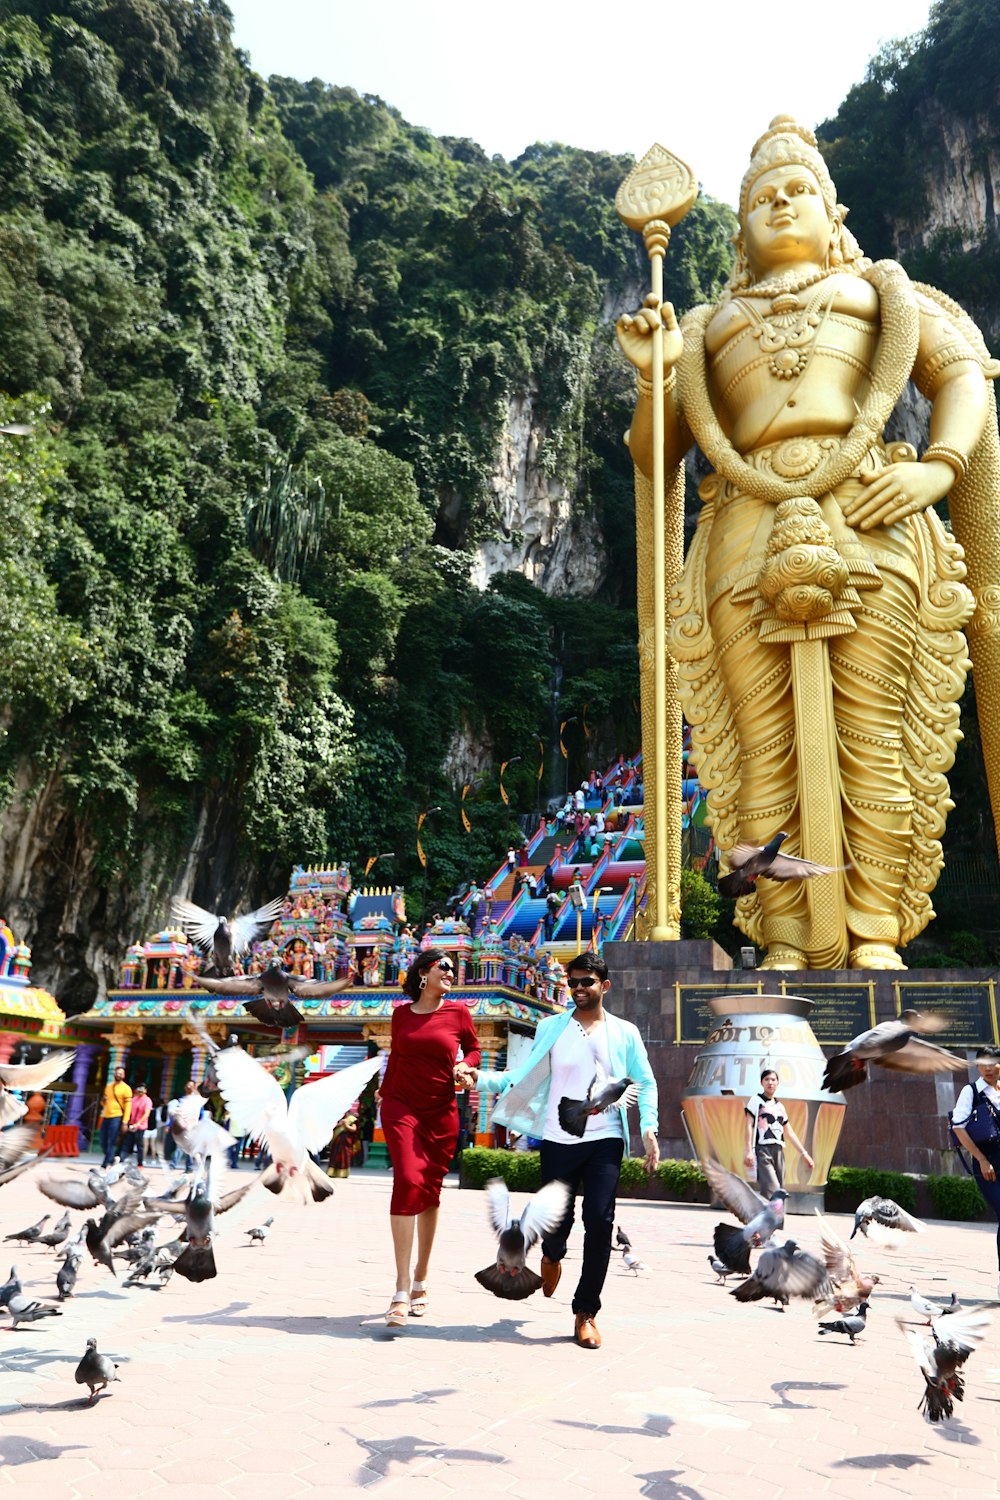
(633, 1173)
(682, 1177)
(858, 1183)
(519, 1169)
(956, 1198)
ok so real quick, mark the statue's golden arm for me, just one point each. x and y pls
(635, 337)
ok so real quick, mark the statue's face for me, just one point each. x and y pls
(786, 220)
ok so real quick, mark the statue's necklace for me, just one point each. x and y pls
(781, 286)
(787, 332)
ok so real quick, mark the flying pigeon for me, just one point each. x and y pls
(258, 1234)
(290, 1131)
(196, 1261)
(225, 940)
(24, 1076)
(16, 1148)
(892, 1044)
(267, 996)
(10, 1288)
(760, 1217)
(116, 1225)
(31, 1234)
(574, 1113)
(784, 1271)
(17, 429)
(26, 1310)
(73, 1192)
(882, 1220)
(749, 863)
(509, 1277)
(942, 1355)
(851, 1287)
(850, 1324)
(95, 1370)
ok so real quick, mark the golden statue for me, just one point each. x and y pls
(817, 624)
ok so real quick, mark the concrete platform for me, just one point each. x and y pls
(279, 1378)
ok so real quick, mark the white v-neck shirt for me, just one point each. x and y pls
(574, 1059)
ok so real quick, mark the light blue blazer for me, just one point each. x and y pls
(524, 1092)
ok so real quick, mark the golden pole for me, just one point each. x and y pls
(655, 195)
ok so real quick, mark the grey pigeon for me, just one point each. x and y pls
(760, 1217)
(26, 1310)
(95, 1370)
(225, 939)
(574, 1113)
(31, 1234)
(882, 1220)
(509, 1277)
(24, 1076)
(67, 1274)
(784, 1271)
(851, 1324)
(621, 1238)
(749, 863)
(942, 1355)
(721, 1269)
(10, 1288)
(258, 1234)
(267, 996)
(898, 1045)
(197, 1261)
(56, 1235)
(71, 1192)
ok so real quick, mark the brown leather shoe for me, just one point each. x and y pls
(551, 1272)
(586, 1333)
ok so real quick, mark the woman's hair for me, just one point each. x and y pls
(416, 971)
(768, 1073)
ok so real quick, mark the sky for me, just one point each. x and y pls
(702, 77)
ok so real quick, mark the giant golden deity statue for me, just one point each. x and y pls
(816, 629)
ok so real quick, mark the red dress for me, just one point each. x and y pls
(419, 1113)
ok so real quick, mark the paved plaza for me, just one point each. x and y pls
(279, 1378)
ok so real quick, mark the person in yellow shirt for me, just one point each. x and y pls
(117, 1100)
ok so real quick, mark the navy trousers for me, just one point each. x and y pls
(990, 1190)
(595, 1166)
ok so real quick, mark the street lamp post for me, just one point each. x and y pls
(565, 753)
(503, 790)
(602, 890)
(389, 854)
(421, 820)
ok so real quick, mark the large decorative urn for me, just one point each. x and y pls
(754, 1032)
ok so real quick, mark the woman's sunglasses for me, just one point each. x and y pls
(444, 966)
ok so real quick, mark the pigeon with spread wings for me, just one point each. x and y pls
(851, 1287)
(290, 1131)
(216, 934)
(510, 1278)
(23, 1076)
(897, 1045)
(267, 996)
(749, 863)
(942, 1355)
(761, 1218)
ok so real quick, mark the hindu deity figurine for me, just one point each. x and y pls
(817, 624)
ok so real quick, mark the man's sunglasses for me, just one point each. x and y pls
(583, 984)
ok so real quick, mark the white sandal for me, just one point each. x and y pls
(396, 1315)
(418, 1299)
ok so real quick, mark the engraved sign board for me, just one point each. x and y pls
(694, 1019)
(840, 1011)
(970, 1006)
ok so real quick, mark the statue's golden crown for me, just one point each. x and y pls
(786, 141)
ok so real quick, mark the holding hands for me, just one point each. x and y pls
(465, 1077)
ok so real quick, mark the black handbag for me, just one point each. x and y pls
(982, 1127)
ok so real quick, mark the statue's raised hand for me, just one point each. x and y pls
(635, 335)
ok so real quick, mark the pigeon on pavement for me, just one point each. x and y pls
(574, 1113)
(258, 1234)
(633, 1263)
(721, 1269)
(290, 1131)
(749, 863)
(509, 1277)
(67, 1272)
(32, 1233)
(22, 1076)
(784, 1271)
(761, 1218)
(851, 1324)
(941, 1355)
(26, 1310)
(95, 1370)
(621, 1239)
(225, 939)
(10, 1288)
(267, 996)
(56, 1235)
(883, 1221)
(897, 1045)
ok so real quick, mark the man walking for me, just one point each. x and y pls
(568, 1051)
(134, 1133)
(117, 1097)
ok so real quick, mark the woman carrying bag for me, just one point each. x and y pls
(975, 1124)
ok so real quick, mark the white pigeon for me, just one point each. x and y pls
(259, 1109)
(28, 1076)
(633, 1263)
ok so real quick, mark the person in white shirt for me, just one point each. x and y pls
(983, 1094)
(766, 1127)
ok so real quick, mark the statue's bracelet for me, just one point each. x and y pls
(954, 457)
(645, 387)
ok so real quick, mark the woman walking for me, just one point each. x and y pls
(420, 1118)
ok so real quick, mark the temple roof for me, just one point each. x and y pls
(33, 1005)
(362, 1004)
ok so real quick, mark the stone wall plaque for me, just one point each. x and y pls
(694, 1020)
(840, 1011)
(970, 1006)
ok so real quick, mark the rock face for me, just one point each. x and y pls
(539, 533)
(962, 184)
